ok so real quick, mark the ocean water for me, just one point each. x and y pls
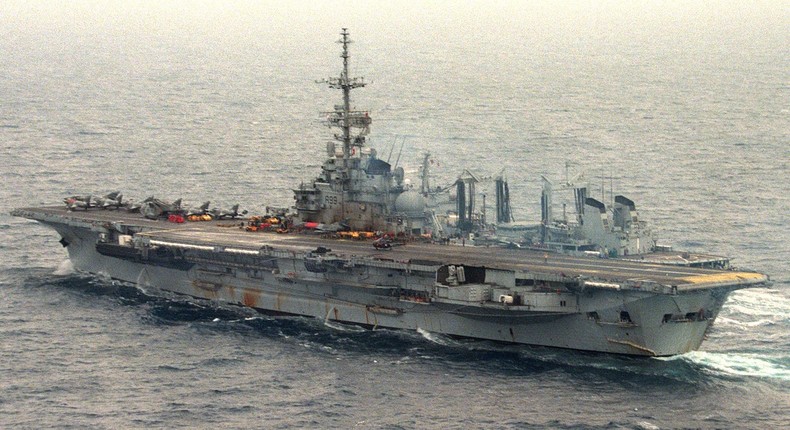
(684, 108)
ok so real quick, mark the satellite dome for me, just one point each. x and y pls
(411, 203)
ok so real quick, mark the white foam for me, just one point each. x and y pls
(437, 339)
(104, 276)
(758, 302)
(723, 321)
(737, 364)
(765, 310)
(727, 322)
(647, 426)
(334, 325)
(759, 323)
(64, 268)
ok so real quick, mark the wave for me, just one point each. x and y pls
(730, 364)
(700, 368)
(728, 322)
(765, 311)
(758, 303)
(761, 296)
(436, 338)
(334, 325)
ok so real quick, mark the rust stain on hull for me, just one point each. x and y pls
(635, 346)
(250, 298)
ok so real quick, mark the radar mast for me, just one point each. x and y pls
(343, 117)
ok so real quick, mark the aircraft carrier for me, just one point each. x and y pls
(322, 260)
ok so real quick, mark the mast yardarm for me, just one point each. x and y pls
(343, 116)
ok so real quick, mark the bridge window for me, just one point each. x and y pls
(625, 317)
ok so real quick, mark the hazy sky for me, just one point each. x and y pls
(111, 15)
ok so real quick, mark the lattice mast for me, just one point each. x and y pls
(343, 117)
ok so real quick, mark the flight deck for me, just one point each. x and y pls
(230, 234)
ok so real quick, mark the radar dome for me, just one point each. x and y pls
(411, 203)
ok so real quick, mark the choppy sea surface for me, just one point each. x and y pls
(682, 107)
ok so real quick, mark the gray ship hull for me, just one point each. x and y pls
(656, 324)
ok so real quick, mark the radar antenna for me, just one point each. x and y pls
(343, 117)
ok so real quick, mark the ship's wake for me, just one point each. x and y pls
(757, 302)
(737, 364)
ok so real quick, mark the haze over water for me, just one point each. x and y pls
(683, 108)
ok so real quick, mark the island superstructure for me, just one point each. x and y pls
(418, 281)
